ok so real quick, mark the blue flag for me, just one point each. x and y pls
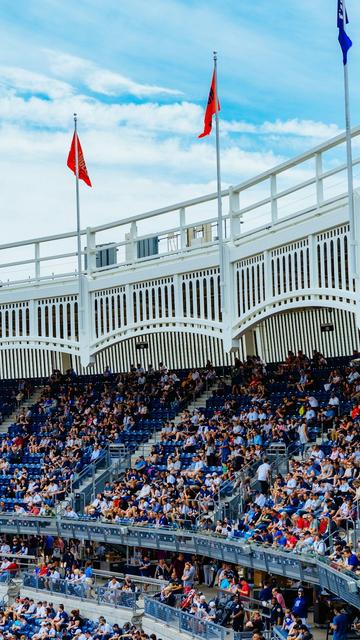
(342, 21)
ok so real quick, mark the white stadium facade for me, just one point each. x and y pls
(151, 283)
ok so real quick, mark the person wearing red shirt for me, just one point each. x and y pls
(301, 523)
(244, 589)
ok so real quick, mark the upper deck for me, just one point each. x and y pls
(286, 247)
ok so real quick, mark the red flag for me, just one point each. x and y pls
(83, 174)
(210, 109)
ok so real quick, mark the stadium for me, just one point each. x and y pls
(180, 406)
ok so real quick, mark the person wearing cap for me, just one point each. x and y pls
(339, 624)
(300, 606)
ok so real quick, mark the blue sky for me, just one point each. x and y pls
(138, 74)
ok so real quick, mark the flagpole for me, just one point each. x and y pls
(219, 200)
(350, 176)
(81, 297)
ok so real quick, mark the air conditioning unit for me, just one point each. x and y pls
(199, 235)
(106, 255)
(147, 247)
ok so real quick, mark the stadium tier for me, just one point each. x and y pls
(213, 488)
(286, 279)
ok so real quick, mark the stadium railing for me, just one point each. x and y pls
(181, 621)
(307, 568)
(100, 595)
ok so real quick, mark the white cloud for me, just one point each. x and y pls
(294, 127)
(303, 128)
(101, 80)
(20, 79)
(139, 156)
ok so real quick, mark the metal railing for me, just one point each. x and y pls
(87, 483)
(183, 622)
(308, 568)
(284, 193)
(247, 635)
(82, 591)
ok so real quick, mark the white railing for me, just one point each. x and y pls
(304, 184)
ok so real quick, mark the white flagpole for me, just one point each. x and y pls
(350, 176)
(81, 297)
(219, 200)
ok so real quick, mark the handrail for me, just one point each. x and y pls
(231, 220)
(83, 591)
(313, 569)
(241, 186)
(182, 621)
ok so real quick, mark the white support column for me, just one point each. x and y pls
(37, 260)
(357, 255)
(313, 263)
(90, 251)
(268, 276)
(32, 319)
(133, 232)
(250, 345)
(319, 180)
(178, 296)
(234, 208)
(274, 202)
(229, 314)
(86, 336)
(129, 305)
(65, 359)
(182, 229)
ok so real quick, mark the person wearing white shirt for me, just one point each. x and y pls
(253, 415)
(170, 479)
(310, 415)
(319, 546)
(354, 375)
(260, 500)
(263, 475)
(4, 549)
(313, 402)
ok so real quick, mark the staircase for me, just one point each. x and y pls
(92, 483)
(145, 448)
(24, 406)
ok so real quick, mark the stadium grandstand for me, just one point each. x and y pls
(180, 412)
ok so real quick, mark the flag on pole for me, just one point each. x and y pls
(71, 162)
(210, 109)
(342, 21)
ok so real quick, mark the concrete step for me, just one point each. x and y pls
(4, 427)
(145, 448)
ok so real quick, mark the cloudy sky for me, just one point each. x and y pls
(138, 74)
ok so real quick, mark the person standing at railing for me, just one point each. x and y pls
(162, 571)
(238, 615)
(300, 606)
(145, 569)
(276, 612)
(263, 475)
(339, 624)
(188, 577)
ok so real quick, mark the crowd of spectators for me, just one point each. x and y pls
(231, 604)
(42, 620)
(226, 598)
(209, 453)
(314, 506)
(74, 420)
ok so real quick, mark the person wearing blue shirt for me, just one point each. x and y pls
(351, 559)
(339, 624)
(300, 606)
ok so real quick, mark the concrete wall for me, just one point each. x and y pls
(87, 607)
